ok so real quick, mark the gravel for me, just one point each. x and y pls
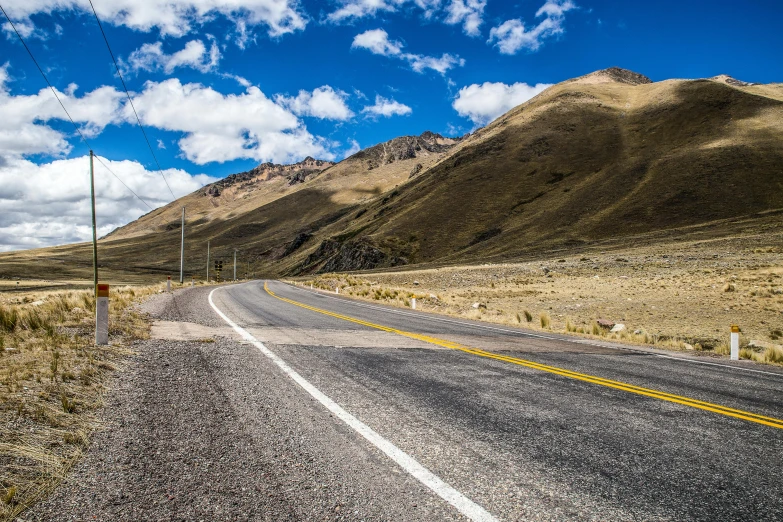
(212, 431)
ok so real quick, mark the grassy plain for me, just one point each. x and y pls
(681, 296)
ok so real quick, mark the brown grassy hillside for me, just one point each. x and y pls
(609, 158)
(586, 161)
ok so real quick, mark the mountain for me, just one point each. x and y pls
(609, 158)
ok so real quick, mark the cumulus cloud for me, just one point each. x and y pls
(235, 126)
(483, 103)
(49, 204)
(386, 108)
(174, 17)
(511, 36)
(23, 119)
(468, 13)
(324, 102)
(377, 42)
(151, 57)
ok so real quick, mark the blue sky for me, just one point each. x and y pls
(224, 85)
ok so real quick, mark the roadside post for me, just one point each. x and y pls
(337, 290)
(193, 281)
(413, 303)
(168, 284)
(735, 331)
(102, 315)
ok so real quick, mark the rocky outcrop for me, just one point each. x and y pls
(294, 173)
(613, 74)
(360, 254)
(405, 147)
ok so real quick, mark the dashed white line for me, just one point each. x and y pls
(462, 503)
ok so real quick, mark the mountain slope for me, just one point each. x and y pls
(587, 160)
(607, 157)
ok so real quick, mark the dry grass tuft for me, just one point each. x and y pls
(546, 321)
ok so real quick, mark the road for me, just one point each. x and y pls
(331, 409)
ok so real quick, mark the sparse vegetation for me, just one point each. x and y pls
(674, 302)
(52, 377)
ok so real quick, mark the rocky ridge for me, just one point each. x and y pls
(405, 147)
(295, 173)
(613, 74)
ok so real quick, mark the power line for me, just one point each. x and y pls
(127, 93)
(66, 110)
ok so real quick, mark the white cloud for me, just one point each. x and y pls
(464, 12)
(324, 102)
(483, 103)
(361, 8)
(174, 17)
(511, 36)
(25, 28)
(386, 108)
(23, 119)
(223, 127)
(151, 57)
(49, 204)
(353, 149)
(377, 42)
(442, 65)
(469, 13)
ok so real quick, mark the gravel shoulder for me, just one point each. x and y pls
(211, 431)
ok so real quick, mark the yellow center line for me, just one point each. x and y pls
(618, 385)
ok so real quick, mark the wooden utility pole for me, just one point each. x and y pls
(94, 232)
(182, 251)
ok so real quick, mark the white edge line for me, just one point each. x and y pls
(463, 504)
(526, 334)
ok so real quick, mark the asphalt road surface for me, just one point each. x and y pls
(289, 404)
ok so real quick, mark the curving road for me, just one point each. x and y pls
(355, 411)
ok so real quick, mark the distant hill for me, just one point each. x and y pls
(607, 157)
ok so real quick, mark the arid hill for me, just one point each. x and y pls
(609, 158)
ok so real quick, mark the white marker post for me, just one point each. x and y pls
(102, 315)
(192, 282)
(337, 290)
(413, 303)
(168, 284)
(735, 331)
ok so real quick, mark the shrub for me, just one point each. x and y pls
(528, 317)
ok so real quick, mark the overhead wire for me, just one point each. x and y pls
(127, 93)
(54, 91)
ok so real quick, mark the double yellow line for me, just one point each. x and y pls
(618, 385)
